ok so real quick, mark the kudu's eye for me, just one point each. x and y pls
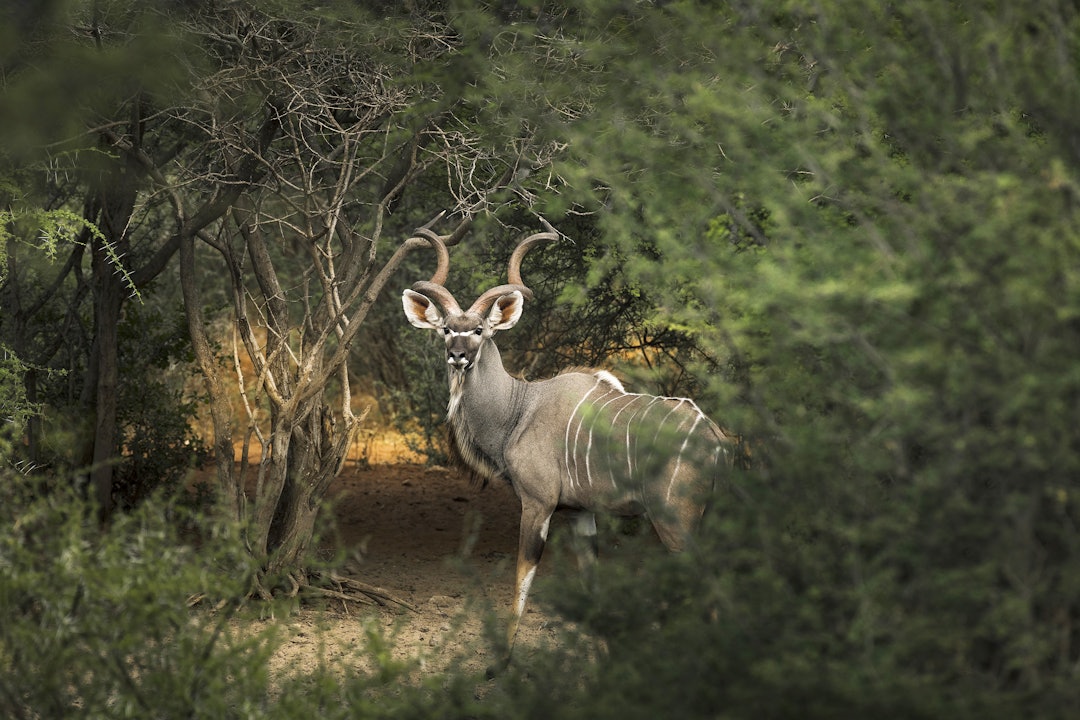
(446, 331)
(478, 331)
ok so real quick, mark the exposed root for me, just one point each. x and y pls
(351, 589)
(345, 589)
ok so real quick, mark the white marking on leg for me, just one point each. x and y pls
(523, 591)
(585, 524)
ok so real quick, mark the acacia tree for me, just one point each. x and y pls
(343, 128)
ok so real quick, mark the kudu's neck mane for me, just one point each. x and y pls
(484, 383)
(485, 406)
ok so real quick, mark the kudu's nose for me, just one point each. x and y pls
(457, 359)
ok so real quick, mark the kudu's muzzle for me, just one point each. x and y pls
(457, 360)
(462, 348)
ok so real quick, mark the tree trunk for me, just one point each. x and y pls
(117, 192)
(107, 307)
(317, 452)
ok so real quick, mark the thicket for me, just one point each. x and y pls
(889, 278)
(864, 218)
(133, 621)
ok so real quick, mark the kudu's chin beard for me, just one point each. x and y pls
(456, 369)
(456, 375)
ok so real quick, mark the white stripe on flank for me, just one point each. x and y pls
(610, 380)
(629, 425)
(588, 448)
(631, 437)
(656, 435)
(634, 397)
(569, 472)
(678, 458)
(672, 411)
(615, 418)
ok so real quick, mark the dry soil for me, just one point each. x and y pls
(430, 538)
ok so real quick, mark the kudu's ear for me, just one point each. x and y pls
(421, 311)
(506, 311)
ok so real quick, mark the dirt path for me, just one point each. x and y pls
(430, 538)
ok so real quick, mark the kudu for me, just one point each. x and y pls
(577, 441)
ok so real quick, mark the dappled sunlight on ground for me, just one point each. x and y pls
(430, 538)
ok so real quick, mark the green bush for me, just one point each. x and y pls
(100, 624)
(155, 409)
(15, 410)
(419, 404)
(96, 622)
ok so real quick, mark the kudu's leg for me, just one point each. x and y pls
(532, 536)
(586, 546)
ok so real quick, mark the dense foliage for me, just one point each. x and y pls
(863, 217)
(871, 223)
(96, 622)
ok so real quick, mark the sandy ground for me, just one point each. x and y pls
(430, 538)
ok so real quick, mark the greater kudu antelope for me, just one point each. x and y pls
(577, 441)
